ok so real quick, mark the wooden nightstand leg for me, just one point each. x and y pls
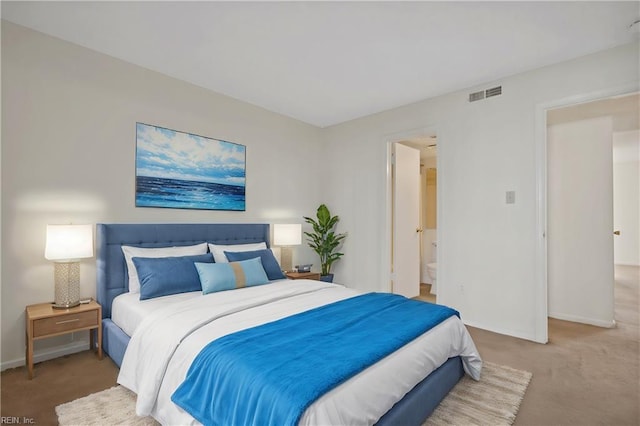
(99, 342)
(92, 338)
(96, 343)
(29, 356)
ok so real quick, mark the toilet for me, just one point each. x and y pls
(432, 268)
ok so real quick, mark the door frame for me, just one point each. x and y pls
(390, 139)
(541, 161)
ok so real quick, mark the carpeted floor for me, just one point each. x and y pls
(584, 376)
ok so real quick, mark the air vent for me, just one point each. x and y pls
(484, 94)
(494, 91)
(477, 96)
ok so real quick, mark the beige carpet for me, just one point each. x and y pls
(494, 400)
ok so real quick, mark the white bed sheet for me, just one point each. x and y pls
(160, 354)
(128, 311)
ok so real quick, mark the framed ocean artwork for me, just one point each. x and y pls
(186, 171)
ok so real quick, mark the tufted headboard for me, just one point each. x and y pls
(112, 277)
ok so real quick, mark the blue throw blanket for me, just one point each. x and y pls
(270, 374)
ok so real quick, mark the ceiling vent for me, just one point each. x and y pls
(494, 91)
(483, 94)
(477, 96)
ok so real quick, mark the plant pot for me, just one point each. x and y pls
(327, 278)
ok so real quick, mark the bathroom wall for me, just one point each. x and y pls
(431, 206)
(428, 234)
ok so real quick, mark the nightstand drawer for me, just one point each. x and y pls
(63, 323)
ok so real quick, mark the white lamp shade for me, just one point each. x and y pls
(69, 242)
(287, 234)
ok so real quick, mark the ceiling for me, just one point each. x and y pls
(329, 62)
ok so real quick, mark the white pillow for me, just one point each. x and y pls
(130, 252)
(218, 250)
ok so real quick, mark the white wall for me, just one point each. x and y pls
(487, 268)
(68, 155)
(626, 200)
(580, 216)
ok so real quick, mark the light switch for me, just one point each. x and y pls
(511, 197)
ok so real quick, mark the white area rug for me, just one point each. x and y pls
(494, 400)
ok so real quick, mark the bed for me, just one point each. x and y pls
(413, 404)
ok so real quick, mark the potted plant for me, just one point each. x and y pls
(324, 241)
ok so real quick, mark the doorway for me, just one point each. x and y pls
(413, 224)
(581, 142)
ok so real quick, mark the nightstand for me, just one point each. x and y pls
(44, 321)
(303, 275)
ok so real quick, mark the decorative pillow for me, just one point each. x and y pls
(130, 252)
(169, 275)
(269, 262)
(218, 249)
(231, 275)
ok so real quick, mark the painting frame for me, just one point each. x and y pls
(182, 170)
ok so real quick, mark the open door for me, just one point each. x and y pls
(580, 221)
(406, 221)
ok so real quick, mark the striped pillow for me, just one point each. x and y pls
(228, 276)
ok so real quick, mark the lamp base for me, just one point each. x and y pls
(67, 281)
(286, 259)
(68, 305)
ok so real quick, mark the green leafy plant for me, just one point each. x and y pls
(323, 240)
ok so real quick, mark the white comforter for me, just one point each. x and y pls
(164, 345)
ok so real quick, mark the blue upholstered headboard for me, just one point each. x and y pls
(112, 277)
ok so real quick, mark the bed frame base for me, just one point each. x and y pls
(114, 341)
(420, 402)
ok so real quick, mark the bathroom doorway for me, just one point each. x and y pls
(427, 146)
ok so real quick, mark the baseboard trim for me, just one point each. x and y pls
(46, 355)
(583, 320)
(627, 264)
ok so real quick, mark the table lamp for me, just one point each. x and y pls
(287, 235)
(65, 245)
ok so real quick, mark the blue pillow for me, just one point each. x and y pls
(163, 276)
(228, 276)
(269, 262)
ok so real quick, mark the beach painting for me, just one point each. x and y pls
(186, 171)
